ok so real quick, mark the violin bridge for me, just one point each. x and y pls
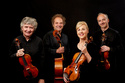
(76, 67)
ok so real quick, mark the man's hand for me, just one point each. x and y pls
(105, 48)
(60, 50)
(20, 52)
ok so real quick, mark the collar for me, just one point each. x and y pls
(31, 38)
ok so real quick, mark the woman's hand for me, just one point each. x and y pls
(65, 80)
(86, 53)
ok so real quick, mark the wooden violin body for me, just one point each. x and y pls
(29, 71)
(72, 71)
(104, 60)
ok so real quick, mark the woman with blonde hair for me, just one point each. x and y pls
(88, 51)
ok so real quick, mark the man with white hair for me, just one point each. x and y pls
(29, 44)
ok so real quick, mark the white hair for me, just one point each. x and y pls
(29, 20)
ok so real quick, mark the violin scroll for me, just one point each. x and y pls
(56, 35)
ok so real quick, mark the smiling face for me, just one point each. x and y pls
(103, 21)
(82, 32)
(58, 24)
(27, 30)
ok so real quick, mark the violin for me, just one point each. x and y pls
(29, 71)
(58, 78)
(72, 72)
(104, 55)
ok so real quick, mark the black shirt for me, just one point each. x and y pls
(33, 47)
(50, 47)
(113, 40)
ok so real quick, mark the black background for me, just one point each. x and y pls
(73, 10)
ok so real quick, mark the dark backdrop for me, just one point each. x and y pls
(73, 10)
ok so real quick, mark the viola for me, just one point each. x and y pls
(58, 78)
(104, 55)
(29, 71)
(72, 72)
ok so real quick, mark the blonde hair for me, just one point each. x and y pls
(80, 23)
(58, 15)
(29, 20)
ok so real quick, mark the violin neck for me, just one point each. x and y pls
(77, 59)
(80, 54)
(19, 47)
(24, 61)
(103, 42)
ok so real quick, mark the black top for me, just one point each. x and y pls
(50, 47)
(87, 70)
(33, 47)
(113, 40)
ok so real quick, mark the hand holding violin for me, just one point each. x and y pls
(85, 52)
(104, 52)
(105, 48)
(60, 50)
(25, 60)
(20, 52)
(65, 80)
